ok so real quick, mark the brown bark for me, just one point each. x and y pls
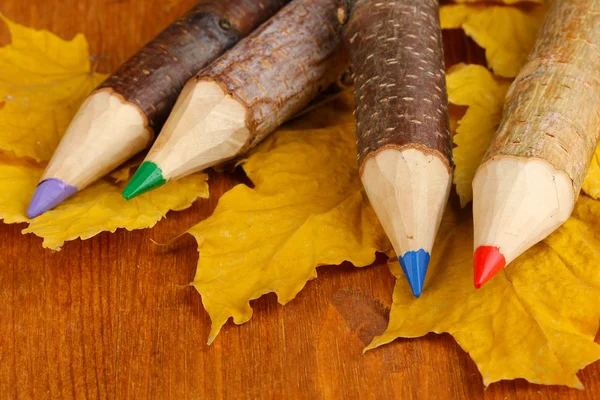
(397, 56)
(552, 109)
(153, 78)
(277, 70)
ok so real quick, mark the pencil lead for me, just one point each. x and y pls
(488, 262)
(414, 264)
(48, 194)
(147, 177)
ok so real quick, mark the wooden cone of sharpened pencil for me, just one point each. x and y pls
(120, 117)
(404, 144)
(247, 93)
(529, 180)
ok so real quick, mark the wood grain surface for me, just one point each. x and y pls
(111, 317)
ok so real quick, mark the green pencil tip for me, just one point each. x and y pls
(147, 177)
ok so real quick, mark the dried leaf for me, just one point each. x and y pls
(307, 209)
(101, 207)
(506, 33)
(535, 321)
(126, 170)
(18, 178)
(475, 87)
(121, 174)
(591, 186)
(43, 81)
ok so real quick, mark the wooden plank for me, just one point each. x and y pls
(105, 318)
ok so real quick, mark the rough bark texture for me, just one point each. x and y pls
(397, 56)
(277, 70)
(153, 78)
(552, 110)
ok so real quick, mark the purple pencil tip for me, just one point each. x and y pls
(48, 194)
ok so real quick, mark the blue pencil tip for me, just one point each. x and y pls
(414, 264)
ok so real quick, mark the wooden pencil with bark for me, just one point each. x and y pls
(530, 177)
(403, 138)
(247, 93)
(120, 118)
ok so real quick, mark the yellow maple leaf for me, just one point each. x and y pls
(307, 209)
(125, 171)
(101, 207)
(43, 81)
(506, 33)
(475, 87)
(18, 178)
(591, 185)
(121, 174)
(537, 320)
(98, 208)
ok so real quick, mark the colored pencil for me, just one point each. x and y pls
(529, 179)
(120, 117)
(247, 93)
(403, 138)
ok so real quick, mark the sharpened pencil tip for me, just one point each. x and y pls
(48, 194)
(415, 264)
(147, 177)
(488, 262)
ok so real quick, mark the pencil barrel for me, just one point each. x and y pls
(282, 66)
(153, 77)
(397, 56)
(552, 109)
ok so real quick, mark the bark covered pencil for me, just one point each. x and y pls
(403, 139)
(247, 93)
(120, 118)
(530, 178)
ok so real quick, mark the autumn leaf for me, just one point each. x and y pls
(121, 174)
(98, 208)
(537, 320)
(307, 209)
(101, 207)
(18, 178)
(506, 33)
(126, 170)
(591, 185)
(43, 81)
(475, 87)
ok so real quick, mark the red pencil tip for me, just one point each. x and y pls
(488, 262)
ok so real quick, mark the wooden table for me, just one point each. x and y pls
(108, 318)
